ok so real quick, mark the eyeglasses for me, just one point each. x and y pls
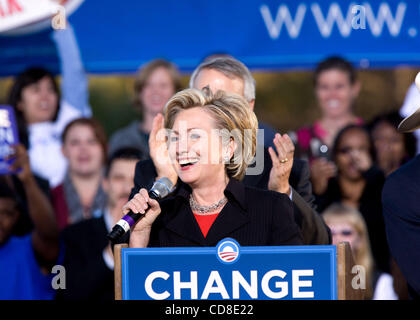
(344, 232)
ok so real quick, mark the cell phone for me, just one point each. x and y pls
(319, 149)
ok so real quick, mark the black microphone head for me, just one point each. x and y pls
(162, 187)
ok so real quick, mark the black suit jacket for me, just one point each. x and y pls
(401, 210)
(314, 230)
(253, 217)
(371, 210)
(87, 276)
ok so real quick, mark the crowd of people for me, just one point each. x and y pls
(321, 185)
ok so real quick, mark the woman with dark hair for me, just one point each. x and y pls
(22, 97)
(42, 113)
(392, 148)
(336, 89)
(357, 184)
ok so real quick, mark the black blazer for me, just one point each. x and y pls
(251, 216)
(87, 276)
(314, 230)
(401, 210)
(370, 207)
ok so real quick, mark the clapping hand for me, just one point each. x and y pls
(159, 150)
(282, 163)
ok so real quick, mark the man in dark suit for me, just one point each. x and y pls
(401, 209)
(88, 257)
(273, 170)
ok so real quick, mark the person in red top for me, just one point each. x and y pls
(205, 221)
(336, 90)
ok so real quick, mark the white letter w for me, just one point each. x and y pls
(283, 17)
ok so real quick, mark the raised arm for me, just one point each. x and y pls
(45, 234)
(74, 84)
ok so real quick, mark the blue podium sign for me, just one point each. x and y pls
(230, 272)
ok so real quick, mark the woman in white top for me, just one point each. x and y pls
(42, 114)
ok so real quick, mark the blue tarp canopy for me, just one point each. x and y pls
(119, 36)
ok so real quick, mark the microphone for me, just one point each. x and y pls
(160, 189)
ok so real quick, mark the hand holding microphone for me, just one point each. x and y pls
(142, 210)
(140, 204)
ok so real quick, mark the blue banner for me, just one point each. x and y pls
(119, 36)
(230, 272)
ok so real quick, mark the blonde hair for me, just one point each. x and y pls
(363, 254)
(231, 113)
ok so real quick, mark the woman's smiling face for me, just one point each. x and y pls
(39, 101)
(195, 147)
(335, 93)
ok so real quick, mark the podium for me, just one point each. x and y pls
(341, 277)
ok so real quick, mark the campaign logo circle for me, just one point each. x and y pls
(228, 251)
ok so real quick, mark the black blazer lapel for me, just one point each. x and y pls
(231, 218)
(183, 223)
